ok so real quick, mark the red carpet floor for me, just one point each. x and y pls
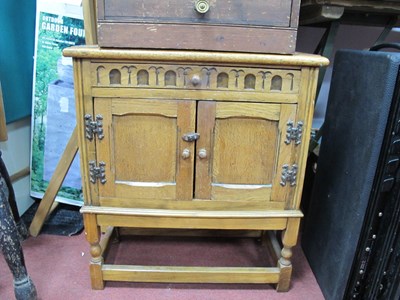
(59, 268)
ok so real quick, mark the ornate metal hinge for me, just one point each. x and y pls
(294, 133)
(94, 127)
(288, 175)
(97, 172)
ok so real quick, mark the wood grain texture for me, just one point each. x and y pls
(227, 58)
(92, 233)
(141, 145)
(157, 190)
(198, 203)
(306, 112)
(197, 37)
(191, 213)
(192, 222)
(185, 166)
(106, 239)
(190, 274)
(233, 185)
(104, 148)
(242, 193)
(285, 274)
(100, 9)
(270, 241)
(205, 125)
(258, 26)
(145, 107)
(256, 12)
(251, 110)
(158, 75)
(285, 155)
(244, 149)
(289, 240)
(187, 232)
(83, 106)
(90, 21)
(294, 18)
(237, 96)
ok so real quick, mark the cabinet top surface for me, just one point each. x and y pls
(297, 59)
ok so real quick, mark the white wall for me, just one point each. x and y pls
(16, 157)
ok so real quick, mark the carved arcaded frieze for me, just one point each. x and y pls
(196, 77)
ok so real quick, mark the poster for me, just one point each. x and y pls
(59, 24)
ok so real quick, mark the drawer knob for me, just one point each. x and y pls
(195, 80)
(203, 153)
(202, 6)
(185, 153)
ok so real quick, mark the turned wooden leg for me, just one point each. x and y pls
(289, 239)
(10, 245)
(92, 231)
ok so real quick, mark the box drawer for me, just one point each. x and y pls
(272, 13)
(227, 25)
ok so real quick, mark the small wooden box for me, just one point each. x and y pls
(228, 25)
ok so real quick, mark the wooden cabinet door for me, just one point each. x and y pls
(241, 150)
(142, 148)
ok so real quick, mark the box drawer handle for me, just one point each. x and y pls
(202, 6)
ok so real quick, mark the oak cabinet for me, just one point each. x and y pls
(193, 140)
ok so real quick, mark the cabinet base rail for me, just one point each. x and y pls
(279, 251)
(177, 274)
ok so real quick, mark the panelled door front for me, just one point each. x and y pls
(180, 150)
(144, 155)
(241, 149)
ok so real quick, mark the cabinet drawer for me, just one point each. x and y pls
(228, 25)
(236, 12)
